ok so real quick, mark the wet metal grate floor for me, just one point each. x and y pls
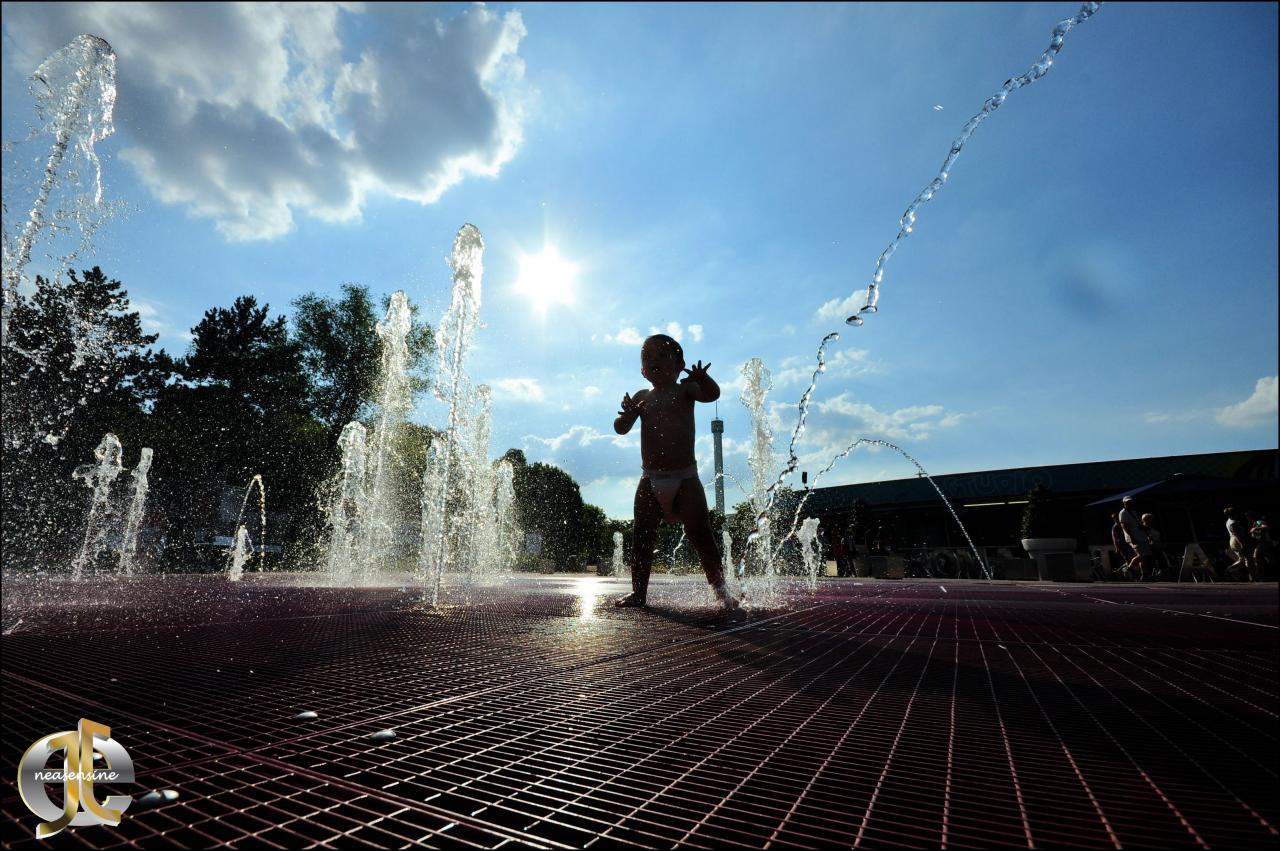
(865, 714)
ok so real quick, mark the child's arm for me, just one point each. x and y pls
(702, 387)
(630, 412)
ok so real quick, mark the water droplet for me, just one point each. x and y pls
(156, 798)
(305, 716)
(381, 736)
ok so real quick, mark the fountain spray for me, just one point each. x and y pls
(137, 510)
(455, 334)
(346, 503)
(98, 478)
(72, 115)
(617, 554)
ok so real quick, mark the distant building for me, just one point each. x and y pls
(990, 503)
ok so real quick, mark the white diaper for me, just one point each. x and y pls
(666, 484)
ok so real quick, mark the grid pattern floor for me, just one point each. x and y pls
(863, 714)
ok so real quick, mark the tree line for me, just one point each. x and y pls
(254, 393)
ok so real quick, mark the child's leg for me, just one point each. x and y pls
(691, 506)
(647, 515)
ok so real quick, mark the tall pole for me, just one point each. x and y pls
(717, 432)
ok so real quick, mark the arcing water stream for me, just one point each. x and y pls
(906, 224)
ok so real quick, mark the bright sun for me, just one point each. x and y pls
(546, 278)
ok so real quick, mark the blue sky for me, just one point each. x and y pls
(1097, 280)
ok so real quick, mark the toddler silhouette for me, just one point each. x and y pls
(669, 488)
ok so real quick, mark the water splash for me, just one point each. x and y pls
(381, 512)
(760, 457)
(482, 545)
(137, 510)
(675, 551)
(483, 530)
(346, 503)
(617, 554)
(241, 551)
(765, 503)
(907, 223)
(363, 500)
(432, 528)
(869, 441)
(98, 478)
(260, 485)
(758, 381)
(75, 92)
(810, 550)
(504, 509)
(454, 337)
(761, 537)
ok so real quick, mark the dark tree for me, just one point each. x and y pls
(594, 540)
(76, 367)
(549, 502)
(245, 352)
(241, 410)
(341, 354)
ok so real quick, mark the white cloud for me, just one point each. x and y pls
(246, 114)
(590, 391)
(673, 329)
(1258, 409)
(845, 363)
(581, 436)
(842, 308)
(595, 457)
(1159, 417)
(915, 422)
(154, 322)
(520, 389)
(614, 494)
(628, 336)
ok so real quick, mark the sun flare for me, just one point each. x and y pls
(546, 278)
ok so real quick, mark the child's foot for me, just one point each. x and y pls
(631, 601)
(727, 601)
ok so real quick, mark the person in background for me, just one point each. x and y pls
(1263, 546)
(1159, 558)
(1117, 540)
(837, 551)
(850, 553)
(1137, 539)
(1238, 534)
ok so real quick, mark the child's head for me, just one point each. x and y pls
(661, 359)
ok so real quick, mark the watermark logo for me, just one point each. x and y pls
(77, 776)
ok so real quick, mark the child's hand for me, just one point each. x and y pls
(630, 407)
(698, 372)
